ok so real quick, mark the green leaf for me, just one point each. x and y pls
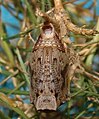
(4, 100)
(22, 65)
(3, 116)
(17, 92)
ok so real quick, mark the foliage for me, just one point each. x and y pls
(14, 50)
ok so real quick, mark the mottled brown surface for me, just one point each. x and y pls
(47, 64)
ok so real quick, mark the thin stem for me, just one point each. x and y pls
(22, 65)
(10, 76)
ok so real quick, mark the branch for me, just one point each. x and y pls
(62, 15)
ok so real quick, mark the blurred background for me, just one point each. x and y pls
(19, 29)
